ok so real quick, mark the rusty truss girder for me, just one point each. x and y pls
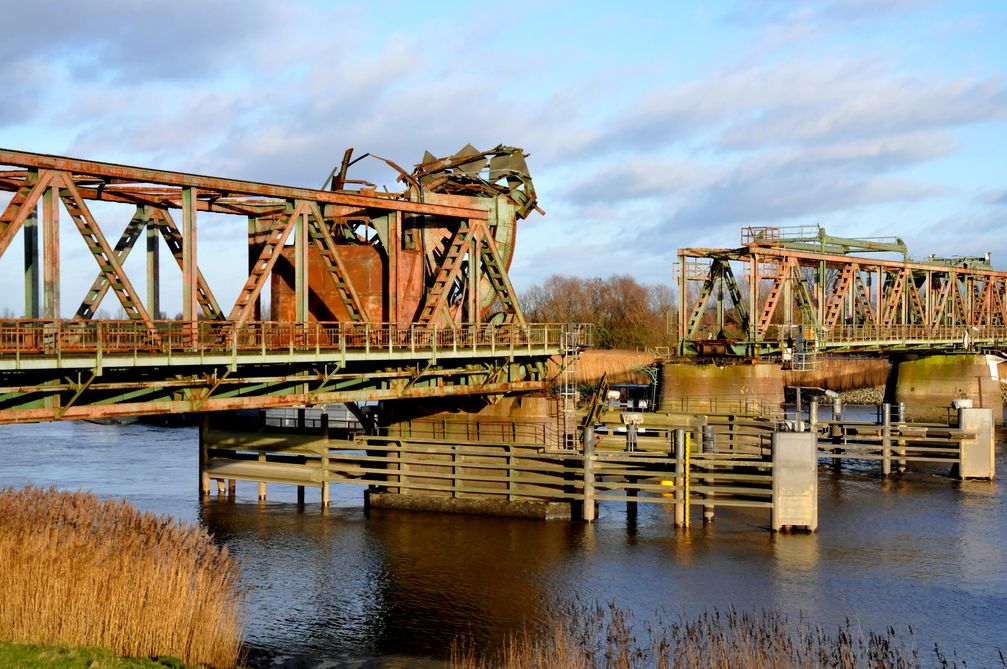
(52, 370)
(431, 261)
(782, 291)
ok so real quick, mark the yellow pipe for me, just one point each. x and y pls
(688, 448)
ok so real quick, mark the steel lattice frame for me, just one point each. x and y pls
(764, 296)
(465, 335)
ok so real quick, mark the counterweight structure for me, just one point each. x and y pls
(372, 295)
(796, 291)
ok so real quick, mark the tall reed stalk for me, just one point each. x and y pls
(594, 637)
(80, 572)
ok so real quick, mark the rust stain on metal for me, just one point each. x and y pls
(380, 295)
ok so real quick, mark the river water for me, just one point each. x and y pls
(920, 550)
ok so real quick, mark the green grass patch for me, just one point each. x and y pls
(17, 656)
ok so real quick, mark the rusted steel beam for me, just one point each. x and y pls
(130, 174)
(20, 207)
(100, 285)
(318, 230)
(811, 259)
(161, 197)
(81, 412)
(50, 249)
(190, 289)
(263, 266)
(844, 300)
(103, 253)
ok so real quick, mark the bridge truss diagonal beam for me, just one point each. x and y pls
(838, 301)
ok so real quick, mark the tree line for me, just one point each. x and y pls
(624, 313)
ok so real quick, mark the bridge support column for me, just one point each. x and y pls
(886, 439)
(262, 484)
(706, 446)
(703, 388)
(977, 453)
(795, 480)
(927, 385)
(325, 459)
(204, 478)
(680, 478)
(589, 509)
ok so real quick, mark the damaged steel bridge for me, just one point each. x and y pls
(373, 295)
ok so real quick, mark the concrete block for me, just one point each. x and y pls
(795, 480)
(692, 387)
(977, 454)
(928, 384)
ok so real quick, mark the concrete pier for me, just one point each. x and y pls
(928, 384)
(978, 453)
(710, 388)
(795, 481)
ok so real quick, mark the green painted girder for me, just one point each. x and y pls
(130, 392)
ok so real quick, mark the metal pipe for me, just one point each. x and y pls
(707, 447)
(680, 478)
(588, 512)
(886, 439)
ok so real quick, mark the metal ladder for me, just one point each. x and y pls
(568, 391)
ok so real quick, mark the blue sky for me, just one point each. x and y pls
(651, 126)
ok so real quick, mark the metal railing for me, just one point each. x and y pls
(866, 334)
(721, 404)
(25, 337)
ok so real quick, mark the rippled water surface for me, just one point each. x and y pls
(922, 550)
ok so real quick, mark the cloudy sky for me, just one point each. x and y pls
(651, 126)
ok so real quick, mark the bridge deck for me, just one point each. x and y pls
(51, 370)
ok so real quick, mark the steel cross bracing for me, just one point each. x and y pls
(780, 289)
(372, 296)
(85, 369)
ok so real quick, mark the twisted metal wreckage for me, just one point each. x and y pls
(373, 295)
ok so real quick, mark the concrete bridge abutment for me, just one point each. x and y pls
(699, 388)
(928, 384)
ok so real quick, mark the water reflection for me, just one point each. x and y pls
(918, 549)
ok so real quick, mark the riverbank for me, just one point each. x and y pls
(18, 656)
(80, 572)
(869, 395)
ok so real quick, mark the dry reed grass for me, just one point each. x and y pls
(841, 374)
(585, 637)
(76, 571)
(620, 366)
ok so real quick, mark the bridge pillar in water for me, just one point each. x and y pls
(928, 384)
(977, 454)
(795, 480)
(512, 429)
(709, 388)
